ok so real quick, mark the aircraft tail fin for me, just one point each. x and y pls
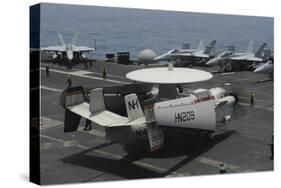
(71, 97)
(71, 121)
(97, 103)
(250, 47)
(62, 42)
(201, 45)
(209, 49)
(260, 50)
(74, 38)
(133, 107)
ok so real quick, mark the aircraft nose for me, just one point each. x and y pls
(212, 61)
(69, 55)
(258, 70)
(161, 57)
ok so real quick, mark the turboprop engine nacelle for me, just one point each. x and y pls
(224, 104)
(218, 92)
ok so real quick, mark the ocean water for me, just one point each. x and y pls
(121, 29)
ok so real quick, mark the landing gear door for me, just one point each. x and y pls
(155, 137)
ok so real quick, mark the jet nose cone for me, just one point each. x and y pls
(158, 58)
(161, 57)
(69, 55)
(212, 62)
(258, 70)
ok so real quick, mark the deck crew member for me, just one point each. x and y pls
(252, 97)
(88, 125)
(86, 65)
(271, 147)
(222, 168)
(47, 71)
(104, 73)
(69, 82)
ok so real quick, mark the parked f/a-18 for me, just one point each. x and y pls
(146, 120)
(68, 51)
(248, 57)
(266, 68)
(189, 56)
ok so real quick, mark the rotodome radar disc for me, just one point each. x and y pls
(169, 75)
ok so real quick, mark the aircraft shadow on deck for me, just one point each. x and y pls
(125, 168)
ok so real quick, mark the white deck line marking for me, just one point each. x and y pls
(47, 123)
(215, 163)
(92, 132)
(93, 72)
(259, 100)
(227, 73)
(51, 89)
(177, 175)
(256, 106)
(149, 166)
(52, 138)
(82, 75)
(62, 141)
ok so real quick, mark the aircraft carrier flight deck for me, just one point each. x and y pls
(86, 156)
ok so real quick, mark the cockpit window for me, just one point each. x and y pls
(173, 51)
(226, 54)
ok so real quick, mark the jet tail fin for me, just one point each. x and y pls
(71, 97)
(62, 42)
(133, 107)
(201, 45)
(250, 47)
(74, 38)
(209, 49)
(260, 50)
(97, 103)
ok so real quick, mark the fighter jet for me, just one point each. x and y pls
(248, 57)
(266, 68)
(200, 110)
(67, 51)
(189, 55)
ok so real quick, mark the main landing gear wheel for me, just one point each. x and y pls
(208, 135)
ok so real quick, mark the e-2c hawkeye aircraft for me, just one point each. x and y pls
(199, 110)
(68, 51)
